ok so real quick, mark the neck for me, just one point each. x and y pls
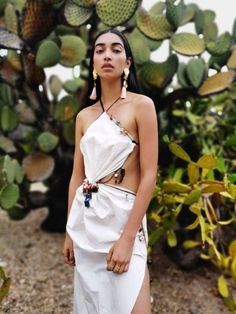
(110, 91)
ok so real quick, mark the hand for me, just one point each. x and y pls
(119, 255)
(68, 251)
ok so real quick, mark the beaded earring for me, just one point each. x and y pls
(93, 95)
(125, 84)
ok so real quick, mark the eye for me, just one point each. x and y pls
(99, 51)
(116, 50)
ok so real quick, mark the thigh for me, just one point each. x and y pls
(143, 304)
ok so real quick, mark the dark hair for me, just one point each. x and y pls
(132, 78)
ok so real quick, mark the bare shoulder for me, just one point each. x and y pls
(142, 104)
(86, 113)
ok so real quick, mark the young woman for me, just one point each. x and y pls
(114, 174)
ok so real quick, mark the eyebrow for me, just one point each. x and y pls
(113, 44)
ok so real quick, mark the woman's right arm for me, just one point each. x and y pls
(76, 180)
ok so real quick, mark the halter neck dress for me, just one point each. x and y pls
(94, 229)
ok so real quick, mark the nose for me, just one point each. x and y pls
(107, 56)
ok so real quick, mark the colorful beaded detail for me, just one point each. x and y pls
(88, 189)
(123, 130)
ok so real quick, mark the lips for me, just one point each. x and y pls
(107, 65)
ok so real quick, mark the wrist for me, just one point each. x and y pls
(129, 236)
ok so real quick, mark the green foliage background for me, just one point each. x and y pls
(196, 114)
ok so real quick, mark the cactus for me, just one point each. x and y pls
(216, 83)
(153, 26)
(187, 44)
(174, 13)
(85, 3)
(195, 71)
(38, 166)
(113, 13)
(73, 50)
(41, 33)
(221, 45)
(137, 40)
(48, 54)
(11, 19)
(76, 15)
(231, 62)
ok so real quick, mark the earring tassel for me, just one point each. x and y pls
(93, 95)
(123, 93)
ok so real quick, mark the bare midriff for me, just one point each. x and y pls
(132, 173)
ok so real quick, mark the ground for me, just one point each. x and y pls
(42, 283)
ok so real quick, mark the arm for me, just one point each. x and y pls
(148, 138)
(77, 178)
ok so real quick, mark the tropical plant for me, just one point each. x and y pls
(5, 284)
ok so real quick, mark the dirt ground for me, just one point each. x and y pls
(42, 283)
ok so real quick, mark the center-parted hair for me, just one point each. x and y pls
(132, 78)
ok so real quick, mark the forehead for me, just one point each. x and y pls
(108, 39)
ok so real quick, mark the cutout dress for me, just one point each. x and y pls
(95, 227)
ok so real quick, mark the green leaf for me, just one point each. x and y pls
(47, 141)
(223, 286)
(9, 196)
(192, 197)
(193, 225)
(171, 238)
(207, 161)
(193, 173)
(179, 151)
(8, 119)
(190, 244)
(175, 187)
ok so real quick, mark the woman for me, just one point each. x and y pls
(113, 177)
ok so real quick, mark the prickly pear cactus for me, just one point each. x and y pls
(37, 112)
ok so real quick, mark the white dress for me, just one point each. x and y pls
(94, 229)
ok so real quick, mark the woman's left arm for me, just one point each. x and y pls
(148, 142)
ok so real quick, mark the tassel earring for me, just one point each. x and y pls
(93, 95)
(125, 84)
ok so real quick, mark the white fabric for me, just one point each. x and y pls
(95, 229)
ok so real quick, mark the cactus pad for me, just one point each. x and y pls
(73, 50)
(210, 31)
(38, 20)
(113, 12)
(189, 13)
(182, 75)
(231, 63)
(155, 27)
(196, 71)
(10, 195)
(66, 109)
(38, 166)
(187, 44)
(47, 141)
(8, 119)
(157, 8)
(216, 83)
(11, 19)
(137, 40)
(221, 45)
(157, 74)
(76, 15)
(85, 3)
(174, 13)
(10, 40)
(7, 145)
(55, 85)
(48, 54)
